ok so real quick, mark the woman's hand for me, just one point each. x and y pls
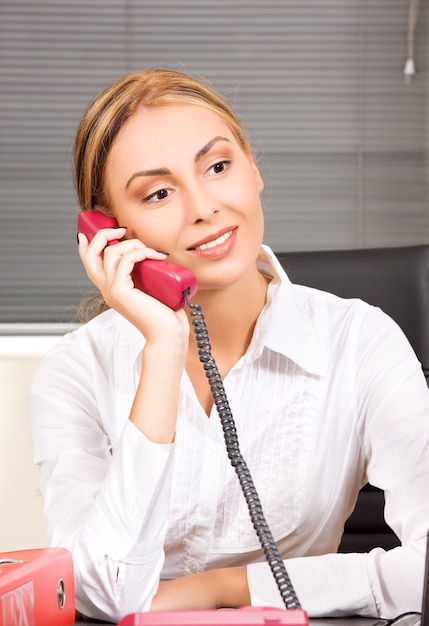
(154, 410)
(110, 267)
(214, 589)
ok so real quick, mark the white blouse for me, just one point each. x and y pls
(328, 396)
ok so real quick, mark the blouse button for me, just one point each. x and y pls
(205, 512)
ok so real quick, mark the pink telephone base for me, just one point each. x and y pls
(246, 616)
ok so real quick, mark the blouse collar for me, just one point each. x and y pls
(292, 323)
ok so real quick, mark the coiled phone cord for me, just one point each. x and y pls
(260, 525)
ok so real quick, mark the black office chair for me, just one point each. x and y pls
(397, 281)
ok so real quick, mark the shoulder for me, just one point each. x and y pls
(316, 302)
(102, 333)
(311, 302)
(106, 339)
(314, 327)
(350, 320)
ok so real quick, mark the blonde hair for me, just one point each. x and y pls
(107, 114)
(109, 111)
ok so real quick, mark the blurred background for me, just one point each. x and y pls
(339, 128)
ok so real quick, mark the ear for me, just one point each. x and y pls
(258, 177)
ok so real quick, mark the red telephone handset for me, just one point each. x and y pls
(162, 280)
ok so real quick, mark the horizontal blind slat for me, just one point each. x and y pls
(338, 135)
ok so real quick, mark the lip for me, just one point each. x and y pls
(212, 237)
(219, 250)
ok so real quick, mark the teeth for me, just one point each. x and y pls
(215, 242)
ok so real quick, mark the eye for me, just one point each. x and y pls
(220, 167)
(157, 196)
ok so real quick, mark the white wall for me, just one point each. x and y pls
(21, 516)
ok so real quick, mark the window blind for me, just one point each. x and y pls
(340, 136)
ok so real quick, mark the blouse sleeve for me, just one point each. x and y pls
(108, 507)
(392, 408)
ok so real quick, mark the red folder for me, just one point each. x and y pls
(37, 588)
(246, 616)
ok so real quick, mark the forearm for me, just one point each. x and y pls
(115, 530)
(378, 584)
(215, 589)
(155, 405)
(108, 589)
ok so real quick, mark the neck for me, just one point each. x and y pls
(231, 314)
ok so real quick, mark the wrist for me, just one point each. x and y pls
(155, 406)
(232, 587)
(170, 343)
(213, 589)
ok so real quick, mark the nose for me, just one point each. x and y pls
(201, 205)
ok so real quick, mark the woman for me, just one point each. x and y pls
(326, 393)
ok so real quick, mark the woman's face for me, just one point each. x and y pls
(179, 181)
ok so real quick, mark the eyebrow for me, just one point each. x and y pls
(164, 171)
(208, 147)
(158, 171)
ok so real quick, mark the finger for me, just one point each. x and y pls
(107, 236)
(91, 251)
(114, 254)
(134, 246)
(82, 243)
(128, 260)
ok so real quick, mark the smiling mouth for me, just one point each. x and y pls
(214, 242)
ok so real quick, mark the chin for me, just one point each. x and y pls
(223, 280)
